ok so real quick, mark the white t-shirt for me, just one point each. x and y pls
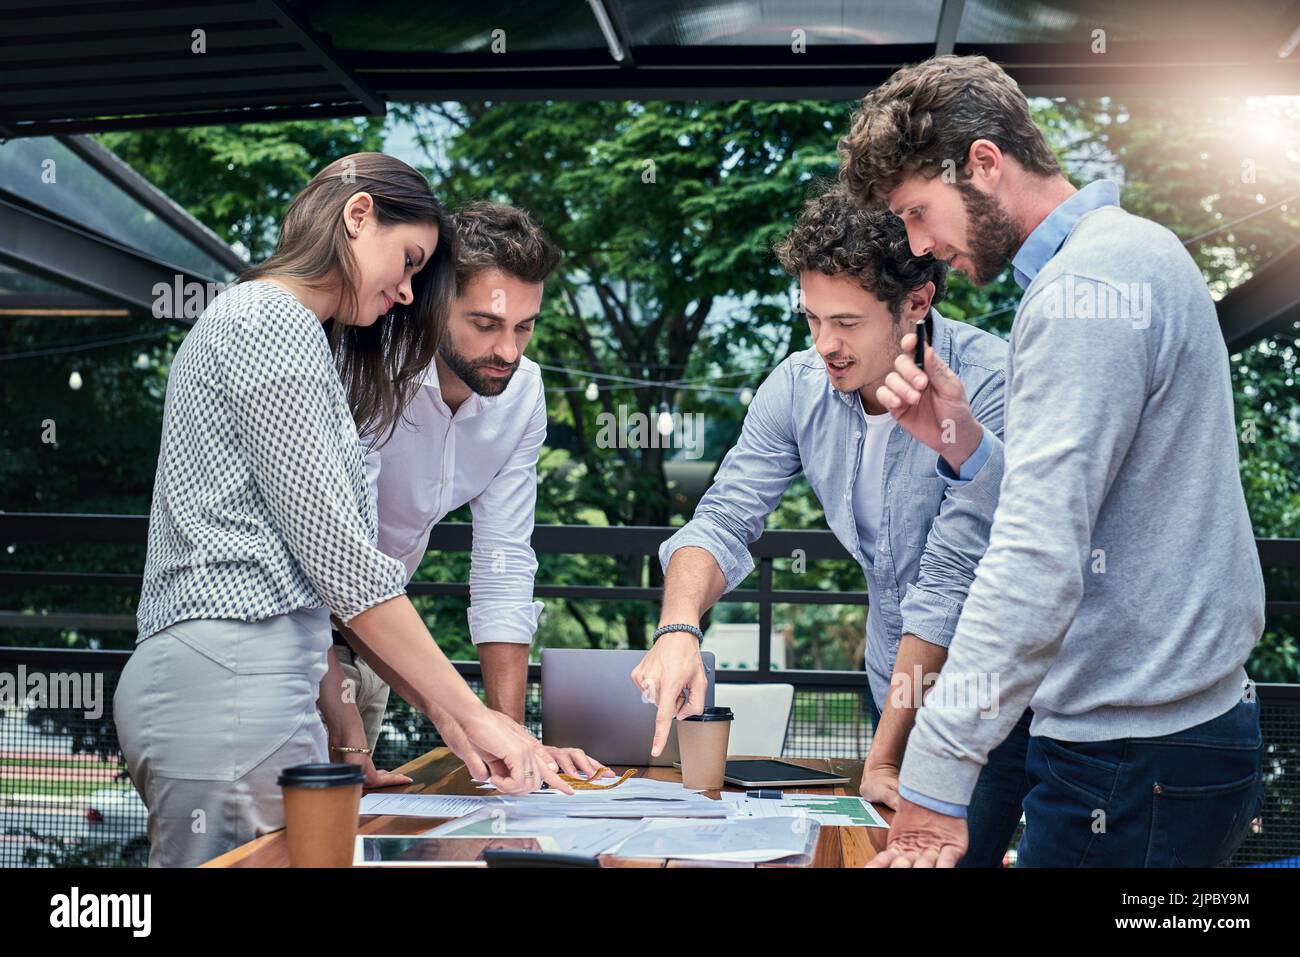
(867, 490)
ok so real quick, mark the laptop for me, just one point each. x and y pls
(589, 702)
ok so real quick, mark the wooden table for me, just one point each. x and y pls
(441, 772)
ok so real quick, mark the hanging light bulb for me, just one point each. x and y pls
(74, 380)
(665, 420)
(592, 392)
(746, 396)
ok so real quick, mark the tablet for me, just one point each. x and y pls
(769, 773)
(424, 850)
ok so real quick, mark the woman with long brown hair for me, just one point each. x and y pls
(262, 525)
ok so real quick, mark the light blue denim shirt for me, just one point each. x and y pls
(932, 531)
(1046, 239)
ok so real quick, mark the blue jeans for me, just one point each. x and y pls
(995, 804)
(1181, 800)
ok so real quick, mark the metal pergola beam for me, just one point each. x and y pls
(293, 24)
(86, 66)
(1266, 304)
(121, 175)
(55, 305)
(213, 66)
(266, 114)
(266, 41)
(618, 22)
(53, 20)
(945, 39)
(656, 77)
(41, 244)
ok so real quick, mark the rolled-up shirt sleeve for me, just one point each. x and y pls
(959, 534)
(750, 482)
(292, 428)
(503, 566)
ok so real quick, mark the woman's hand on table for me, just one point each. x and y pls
(515, 759)
(576, 762)
(375, 778)
(572, 761)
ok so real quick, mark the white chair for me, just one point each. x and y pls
(762, 716)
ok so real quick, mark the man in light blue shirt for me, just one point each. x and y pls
(916, 536)
(1121, 592)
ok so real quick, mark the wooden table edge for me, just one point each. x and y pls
(439, 764)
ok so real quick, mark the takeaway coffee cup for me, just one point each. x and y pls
(702, 739)
(321, 804)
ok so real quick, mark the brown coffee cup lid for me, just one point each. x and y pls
(321, 775)
(713, 714)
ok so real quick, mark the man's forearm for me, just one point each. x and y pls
(337, 705)
(692, 585)
(505, 676)
(916, 660)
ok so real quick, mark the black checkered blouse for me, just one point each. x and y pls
(260, 504)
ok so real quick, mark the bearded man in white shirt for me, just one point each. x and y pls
(472, 435)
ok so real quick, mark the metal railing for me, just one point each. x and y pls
(54, 766)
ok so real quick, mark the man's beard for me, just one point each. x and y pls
(468, 371)
(991, 235)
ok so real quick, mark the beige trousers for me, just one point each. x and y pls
(208, 713)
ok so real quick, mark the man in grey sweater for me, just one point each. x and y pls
(1121, 592)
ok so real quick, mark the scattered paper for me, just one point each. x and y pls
(583, 804)
(634, 798)
(827, 809)
(632, 787)
(589, 836)
(421, 805)
(746, 840)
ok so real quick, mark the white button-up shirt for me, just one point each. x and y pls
(486, 455)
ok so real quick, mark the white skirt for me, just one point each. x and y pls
(208, 713)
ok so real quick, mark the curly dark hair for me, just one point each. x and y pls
(931, 112)
(834, 235)
(499, 236)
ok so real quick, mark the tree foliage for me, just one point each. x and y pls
(666, 213)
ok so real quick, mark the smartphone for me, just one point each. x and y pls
(920, 346)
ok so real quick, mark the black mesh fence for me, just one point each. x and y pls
(65, 799)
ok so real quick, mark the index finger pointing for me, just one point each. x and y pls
(664, 719)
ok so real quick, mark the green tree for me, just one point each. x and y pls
(1198, 166)
(666, 213)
